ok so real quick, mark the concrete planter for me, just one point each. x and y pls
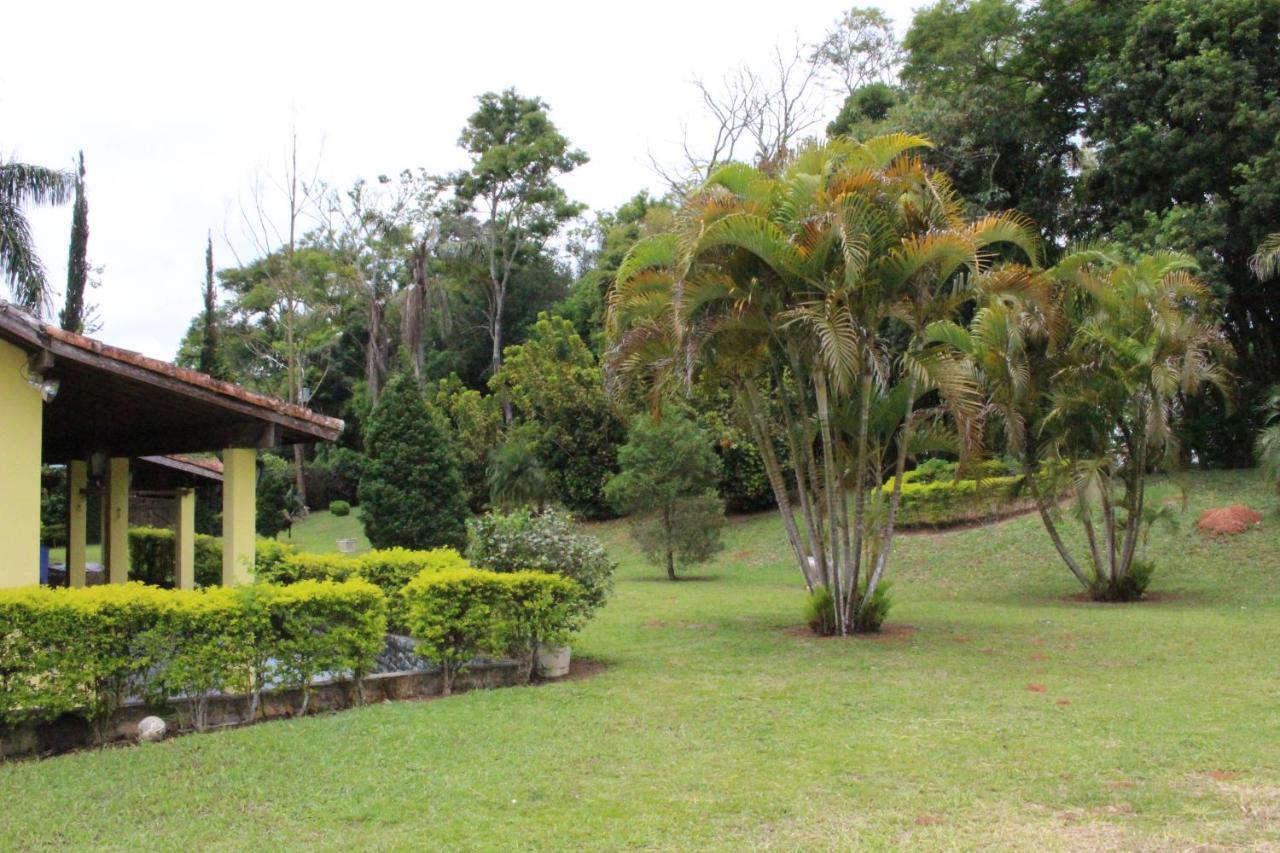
(553, 661)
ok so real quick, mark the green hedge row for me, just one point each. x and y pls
(460, 614)
(151, 557)
(84, 651)
(389, 569)
(942, 502)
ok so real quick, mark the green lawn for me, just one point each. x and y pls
(716, 724)
(322, 529)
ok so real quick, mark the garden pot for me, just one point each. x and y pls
(553, 661)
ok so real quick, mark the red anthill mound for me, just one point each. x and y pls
(1228, 520)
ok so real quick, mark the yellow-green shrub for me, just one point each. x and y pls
(388, 568)
(314, 627)
(949, 501)
(151, 557)
(83, 651)
(457, 615)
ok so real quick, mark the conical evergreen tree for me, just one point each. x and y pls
(73, 311)
(411, 493)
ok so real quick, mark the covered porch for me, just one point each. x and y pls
(66, 399)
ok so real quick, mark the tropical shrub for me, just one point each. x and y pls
(411, 494)
(539, 609)
(819, 612)
(339, 508)
(545, 542)
(667, 486)
(197, 648)
(945, 501)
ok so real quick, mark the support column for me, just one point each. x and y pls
(184, 539)
(239, 514)
(115, 542)
(21, 420)
(77, 521)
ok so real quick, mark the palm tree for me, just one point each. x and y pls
(1085, 366)
(1267, 445)
(1266, 262)
(22, 184)
(809, 295)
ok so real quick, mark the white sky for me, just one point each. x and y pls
(178, 107)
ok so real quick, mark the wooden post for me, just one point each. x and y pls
(115, 544)
(77, 521)
(184, 539)
(239, 511)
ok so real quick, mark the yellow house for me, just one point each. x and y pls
(66, 399)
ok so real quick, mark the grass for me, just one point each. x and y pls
(322, 529)
(716, 724)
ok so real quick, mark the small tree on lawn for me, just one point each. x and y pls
(411, 492)
(668, 486)
(277, 501)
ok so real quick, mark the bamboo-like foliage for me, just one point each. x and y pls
(1086, 366)
(811, 295)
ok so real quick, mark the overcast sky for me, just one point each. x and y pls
(179, 107)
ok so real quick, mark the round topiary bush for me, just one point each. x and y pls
(339, 508)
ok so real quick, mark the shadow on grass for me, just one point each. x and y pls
(679, 579)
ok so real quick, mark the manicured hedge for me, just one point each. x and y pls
(83, 651)
(457, 615)
(944, 502)
(389, 569)
(151, 557)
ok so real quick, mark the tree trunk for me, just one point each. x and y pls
(859, 490)
(299, 473)
(895, 499)
(777, 481)
(830, 492)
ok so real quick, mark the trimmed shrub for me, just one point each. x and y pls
(319, 628)
(948, 501)
(151, 557)
(454, 616)
(198, 648)
(389, 569)
(82, 651)
(458, 615)
(546, 542)
(539, 609)
(339, 508)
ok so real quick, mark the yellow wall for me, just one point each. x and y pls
(21, 417)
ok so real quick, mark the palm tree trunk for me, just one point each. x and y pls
(804, 468)
(1028, 471)
(831, 494)
(777, 481)
(895, 499)
(859, 489)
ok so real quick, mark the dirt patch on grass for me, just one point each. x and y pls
(1228, 520)
(886, 634)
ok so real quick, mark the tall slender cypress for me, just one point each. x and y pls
(72, 317)
(209, 362)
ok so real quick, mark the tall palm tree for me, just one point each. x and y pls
(1085, 365)
(22, 184)
(809, 295)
